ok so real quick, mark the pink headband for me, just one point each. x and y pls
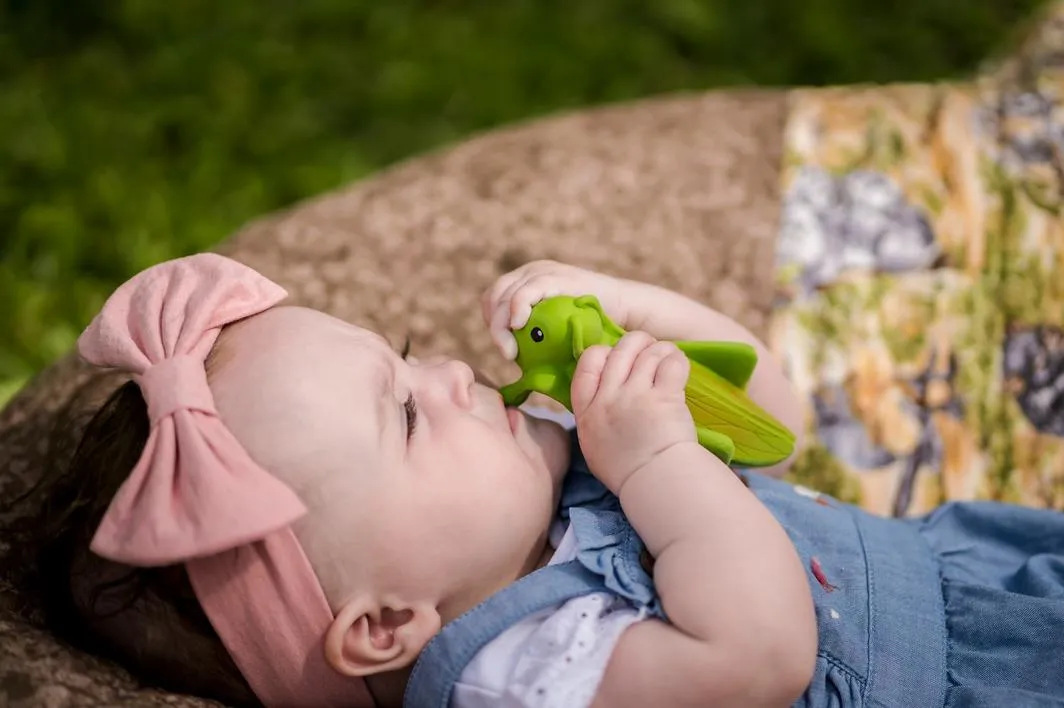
(197, 497)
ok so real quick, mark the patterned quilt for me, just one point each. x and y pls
(920, 303)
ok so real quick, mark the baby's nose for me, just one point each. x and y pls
(452, 379)
(462, 379)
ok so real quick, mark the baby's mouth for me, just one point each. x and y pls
(512, 414)
(514, 417)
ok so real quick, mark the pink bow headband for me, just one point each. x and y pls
(196, 496)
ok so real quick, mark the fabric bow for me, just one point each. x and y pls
(195, 490)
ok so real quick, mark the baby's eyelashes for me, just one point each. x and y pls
(410, 407)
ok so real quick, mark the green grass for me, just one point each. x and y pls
(139, 130)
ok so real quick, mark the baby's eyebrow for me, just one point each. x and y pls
(383, 388)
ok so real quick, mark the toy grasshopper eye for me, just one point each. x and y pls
(536, 335)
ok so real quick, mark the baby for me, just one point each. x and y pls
(285, 511)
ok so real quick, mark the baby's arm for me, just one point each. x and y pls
(731, 584)
(743, 630)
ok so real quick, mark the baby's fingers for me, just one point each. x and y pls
(528, 294)
(504, 286)
(514, 307)
(501, 334)
(645, 368)
(489, 301)
(622, 357)
(587, 376)
(498, 313)
(673, 371)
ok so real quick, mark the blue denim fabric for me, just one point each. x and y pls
(608, 545)
(1002, 570)
(882, 637)
(961, 608)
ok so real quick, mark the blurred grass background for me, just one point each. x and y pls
(140, 130)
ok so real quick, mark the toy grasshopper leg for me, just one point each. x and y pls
(516, 393)
(550, 384)
(719, 444)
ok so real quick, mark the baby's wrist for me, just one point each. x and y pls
(657, 462)
(668, 499)
(641, 301)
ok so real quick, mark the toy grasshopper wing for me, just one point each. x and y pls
(718, 403)
(760, 440)
(734, 361)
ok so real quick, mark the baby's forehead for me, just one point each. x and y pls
(298, 341)
(291, 384)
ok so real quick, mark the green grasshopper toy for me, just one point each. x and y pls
(729, 424)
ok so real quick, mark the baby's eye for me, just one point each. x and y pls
(411, 415)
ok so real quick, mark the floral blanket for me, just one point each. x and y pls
(920, 301)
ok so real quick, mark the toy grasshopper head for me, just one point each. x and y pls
(558, 331)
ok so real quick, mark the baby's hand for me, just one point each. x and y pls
(508, 303)
(629, 405)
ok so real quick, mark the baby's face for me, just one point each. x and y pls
(421, 486)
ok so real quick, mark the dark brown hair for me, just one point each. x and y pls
(146, 619)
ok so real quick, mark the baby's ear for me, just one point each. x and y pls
(366, 639)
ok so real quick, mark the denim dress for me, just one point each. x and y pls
(963, 607)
